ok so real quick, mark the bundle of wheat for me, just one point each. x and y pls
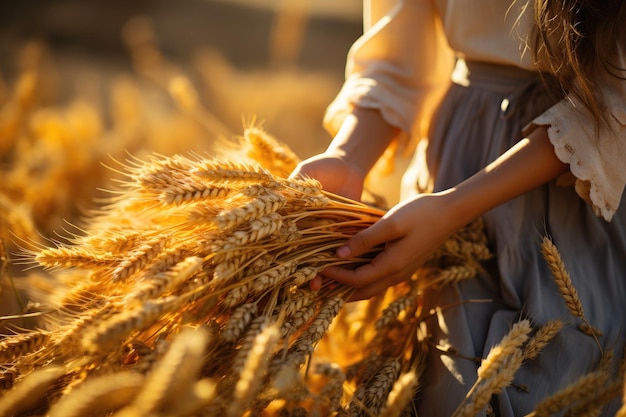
(226, 248)
(188, 295)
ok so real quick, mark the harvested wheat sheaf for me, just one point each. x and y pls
(188, 295)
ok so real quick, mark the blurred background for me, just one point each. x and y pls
(83, 83)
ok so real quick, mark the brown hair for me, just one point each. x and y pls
(577, 40)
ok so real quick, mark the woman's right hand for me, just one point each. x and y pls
(336, 175)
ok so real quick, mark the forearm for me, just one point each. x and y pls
(527, 165)
(362, 138)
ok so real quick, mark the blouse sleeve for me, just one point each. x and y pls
(596, 157)
(398, 65)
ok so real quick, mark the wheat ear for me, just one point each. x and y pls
(175, 374)
(333, 389)
(571, 393)
(22, 344)
(493, 385)
(401, 395)
(509, 343)
(562, 278)
(251, 375)
(99, 395)
(492, 365)
(543, 336)
(28, 392)
(565, 285)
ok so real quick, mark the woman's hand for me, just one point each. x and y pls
(334, 173)
(411, 231)
(363, 137)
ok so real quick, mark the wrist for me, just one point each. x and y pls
(457, 210)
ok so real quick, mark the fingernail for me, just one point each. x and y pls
(343, 252)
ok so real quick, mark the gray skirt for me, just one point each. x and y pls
(482, 116)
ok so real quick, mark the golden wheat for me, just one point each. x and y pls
(228, 248)
(543, 336)
(562, 278)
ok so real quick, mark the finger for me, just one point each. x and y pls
(381, 266)
(380, 232)
(316, 283)
(369, 291)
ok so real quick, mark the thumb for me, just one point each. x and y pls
(363, 241)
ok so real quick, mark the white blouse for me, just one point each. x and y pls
(401, 65)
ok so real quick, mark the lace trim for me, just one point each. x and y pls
(598, 171)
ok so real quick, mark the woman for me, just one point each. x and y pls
(537, 100)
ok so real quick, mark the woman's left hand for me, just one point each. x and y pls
(411, 231)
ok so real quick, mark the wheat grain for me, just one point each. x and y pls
(125, 322)
(297, 188)
(163, 282)
(296, 320)
(189, 191)
(401, 395)
(589, 330)
(328, 311)
(72, 257)
(594, 399)
(114, 241)
(139, 258)
(379, 389)
(273, 277)
(248, 235)
(496, 370)
(365, 369)
(237, 173)
(267, 149)
(296, 301)
(370, 396)
(494, 384)
(304, 274)
(174, 375)
(254, 231)
(251, 375)
(562, 278)
(543, 336)
(245, 345)
(99, 395)
(238, 321)
(260, 206)
(231, 267)
(391, 312)
(571, 393)
(29, 392)
(165, 260)
(333, 389)
(454, 274)
(21, 344)
(509, 344)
